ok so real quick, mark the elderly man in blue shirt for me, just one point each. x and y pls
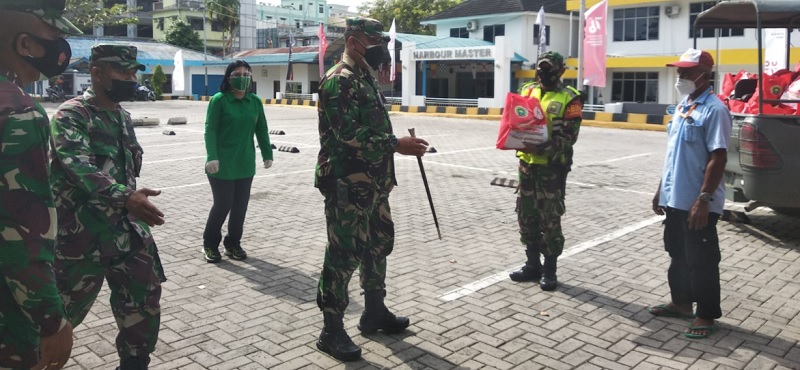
(692, 195)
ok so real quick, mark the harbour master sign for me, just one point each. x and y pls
(478, 53)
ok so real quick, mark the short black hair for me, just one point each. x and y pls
(225, 86)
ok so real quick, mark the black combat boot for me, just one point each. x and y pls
(532, 270)
(134, 363)
(377, 317)
(549, 281)
(335, 341)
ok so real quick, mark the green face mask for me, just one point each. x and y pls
(240, 83)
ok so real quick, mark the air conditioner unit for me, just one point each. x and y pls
(472, 26)
(672, 10)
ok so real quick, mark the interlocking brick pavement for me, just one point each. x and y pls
(261, 313)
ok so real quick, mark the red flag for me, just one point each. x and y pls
(594, 45)
(323, 45)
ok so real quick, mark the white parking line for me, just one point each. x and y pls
(500, 276)
(173, 144)
(254, 177)
(173, 160)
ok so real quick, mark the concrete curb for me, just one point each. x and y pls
(629, 121)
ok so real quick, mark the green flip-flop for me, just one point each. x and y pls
(666, 311)
(707, 328)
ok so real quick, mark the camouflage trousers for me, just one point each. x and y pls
(540, 205)
(134, 279)
(360, 236)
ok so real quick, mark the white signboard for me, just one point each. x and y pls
(82, 82)
(775, 53)
(476, 53)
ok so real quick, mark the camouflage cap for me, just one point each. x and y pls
(123, 56)
(368, 26)
(551, 57)
(50, 11)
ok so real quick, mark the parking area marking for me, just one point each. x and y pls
(254, 177)
(488, 281)
(173, 160)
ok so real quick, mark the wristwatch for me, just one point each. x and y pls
(393, 141)
(705, 197)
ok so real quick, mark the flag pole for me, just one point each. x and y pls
(581, 24)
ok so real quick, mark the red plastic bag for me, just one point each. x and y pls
(774, 87)
(523, 121)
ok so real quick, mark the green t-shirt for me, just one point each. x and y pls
(230, 126)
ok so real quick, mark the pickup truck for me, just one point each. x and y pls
(763, 166)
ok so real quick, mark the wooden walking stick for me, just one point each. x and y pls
(427, 188)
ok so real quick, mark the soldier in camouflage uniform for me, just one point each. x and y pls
(104, 220)
(355, 173)
(33, 329)
(543, 172)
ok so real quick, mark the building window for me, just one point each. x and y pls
(536, 34)
(216, 26)
(640, 87)
(321, 8)
(460, 33)
(697, 8)
(197, 23)
(490, 32)
(636, 24)
(301, 7)
(294, 87)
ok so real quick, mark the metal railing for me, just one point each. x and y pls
(594, 108)
(394, 100)
(451, 102)
(297, 96)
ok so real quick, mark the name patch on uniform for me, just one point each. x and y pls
(554, 107)
(573, 111)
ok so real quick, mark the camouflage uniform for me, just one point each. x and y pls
(30, 306)
(97, 159)
(542, 183)
(355, 173)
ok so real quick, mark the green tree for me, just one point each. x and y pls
(159, 79)
(226, 12)
(87, 14)
(182, 34)
(407, 13)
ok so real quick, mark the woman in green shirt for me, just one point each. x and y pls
(234, 115)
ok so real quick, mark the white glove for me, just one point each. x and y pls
(268, 163)
(212, 167)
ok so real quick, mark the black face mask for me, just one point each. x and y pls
(549, 77)
(374, 55)
(121, 90)
(55, 59)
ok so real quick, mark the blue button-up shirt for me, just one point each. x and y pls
(692, 135)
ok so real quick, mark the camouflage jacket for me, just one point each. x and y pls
(29, 302)
(354, 130)
(95, 164)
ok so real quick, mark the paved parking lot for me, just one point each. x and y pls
(261, 313)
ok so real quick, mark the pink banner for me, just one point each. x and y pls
(323, 46)
(594, 45)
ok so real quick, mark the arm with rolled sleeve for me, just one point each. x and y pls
(342, 111)
(70, 129)
(213, 117)
(262, 134)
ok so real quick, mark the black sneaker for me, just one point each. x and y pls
(236, 253)
(211, 255)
